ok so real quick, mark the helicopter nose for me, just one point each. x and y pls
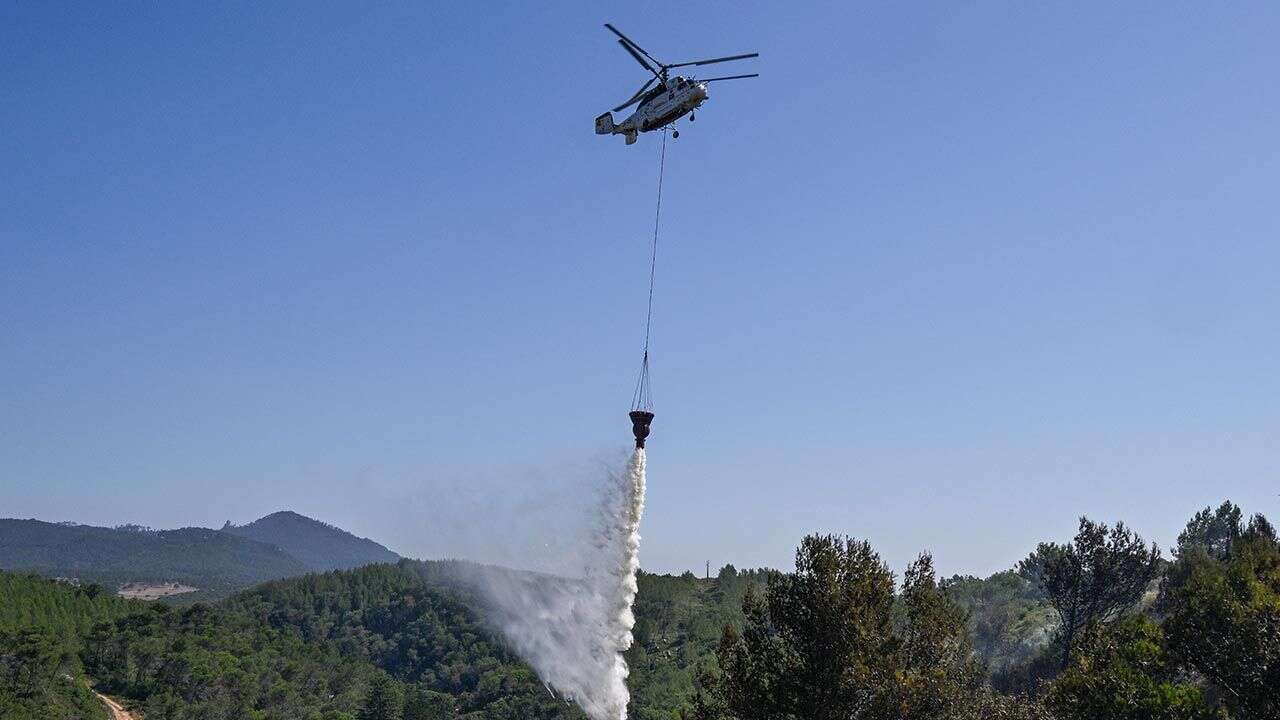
(700, 91)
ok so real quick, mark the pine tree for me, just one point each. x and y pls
(1221, 601)
(1096, 578)
(423, 704)
(382, 701)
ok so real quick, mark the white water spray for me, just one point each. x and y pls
(574, 632)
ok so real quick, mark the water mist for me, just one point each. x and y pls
(573, 632)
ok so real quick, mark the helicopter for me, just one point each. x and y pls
(671, 99)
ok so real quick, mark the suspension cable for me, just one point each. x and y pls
(643, 399)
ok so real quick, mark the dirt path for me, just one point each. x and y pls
(117, 710)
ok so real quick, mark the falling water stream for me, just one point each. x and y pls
(573, 632)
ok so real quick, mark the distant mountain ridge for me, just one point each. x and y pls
(205, 558)
(219, 562)
(319, 545)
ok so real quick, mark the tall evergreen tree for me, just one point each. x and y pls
(937, 676)
(820, 645)
(1095, 578)
(423, 704)
(382, 700)
(1222, 605)
(823, 644)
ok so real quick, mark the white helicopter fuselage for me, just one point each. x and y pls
(661, 107)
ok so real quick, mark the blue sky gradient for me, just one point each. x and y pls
(945, 277)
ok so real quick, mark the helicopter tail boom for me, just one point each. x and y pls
(605, 126)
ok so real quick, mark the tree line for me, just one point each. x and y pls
(1137, 636)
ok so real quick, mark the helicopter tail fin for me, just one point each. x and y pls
(604, 124)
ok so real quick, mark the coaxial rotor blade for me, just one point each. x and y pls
(639, 59)
(635, 98)
(632, 43)
(714, 60)
(626, 104)
(728, 77)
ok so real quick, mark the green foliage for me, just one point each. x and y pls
(936, 673)
(1124, 672)
(382, 701)
(208, 662)
(1010, 620)
(830, 652)
(1222, 604)
(343, 642)
(386, 615)
(1093, 579)
(423, 704)
(38, 680)
(1213, 532)
(830, 642)
(679, 621)
(41, 622)
(56, 608)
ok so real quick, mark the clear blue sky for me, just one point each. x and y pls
(945, 277)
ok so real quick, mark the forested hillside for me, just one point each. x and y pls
(207, 662)
(41, 626)
(318, 545)
(679, 621)
(388, 616)
(219, 563)
(58, 609)
(318, 646)
(1010, 619)
(422, 623)
(207, 559)
(202, 663)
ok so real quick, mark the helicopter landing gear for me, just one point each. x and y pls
(692, 117)
(675, 134)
